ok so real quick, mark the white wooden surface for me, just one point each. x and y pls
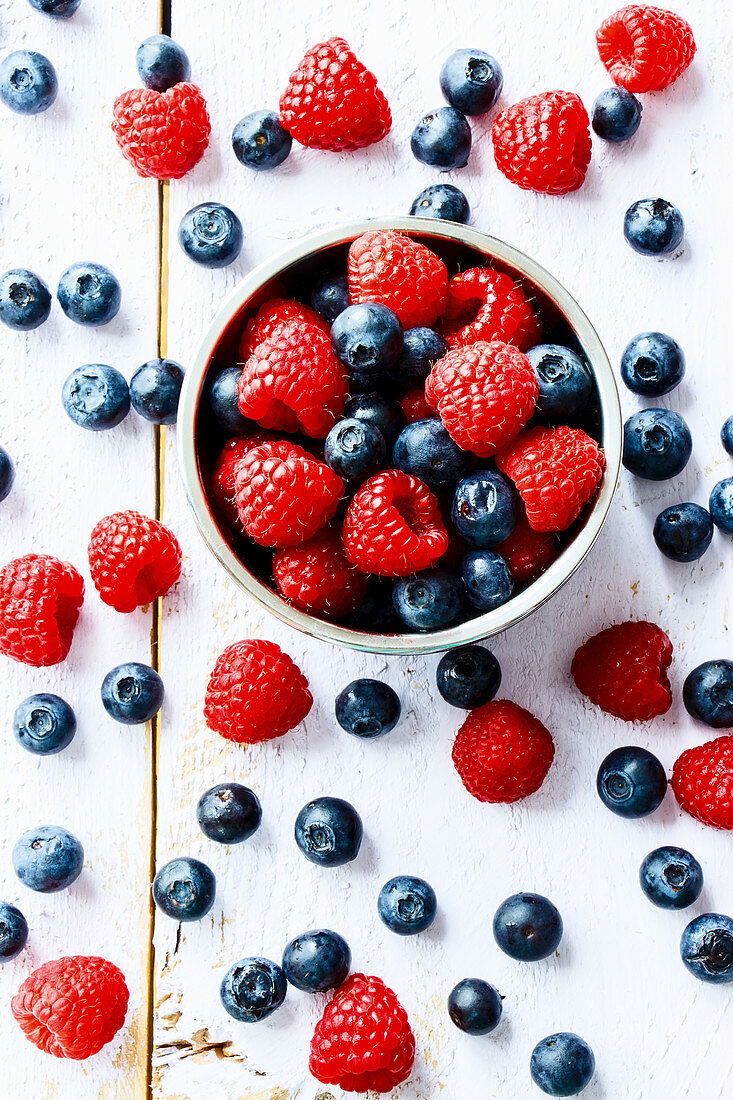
(617, 979)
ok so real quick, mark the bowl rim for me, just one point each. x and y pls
(517, 607)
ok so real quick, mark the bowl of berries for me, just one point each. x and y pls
(400, 435)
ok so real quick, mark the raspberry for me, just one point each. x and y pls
(363, 1041)
(72, 1007)
(623, 670)
(702, 781)
(484, 394)
(224, 477)
(393, 526)
(502, 752)
(527, 552)
(488, 305)
(332, 101)
(255, 693)
(388, 267)
(284, 495)
(317, 577)
(294, 382)
(645, 48)
(133, 560)
(414, 405)
(162, 134)
(543, 143)
(273, 316)
(40, 600)
(556, 471)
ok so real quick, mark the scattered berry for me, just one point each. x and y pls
(474, 1006)
(155, 390)
(566, 384)
(442, 139)
(382, 412)
(328, 832)
(133, 560)
(425, 450)
(25, 300)
(702, 781)
(89, 294)
(7, 474)
(562, 1064)
(468, 677)
(211, 235)
(527, 552)
(132, 693)
(721, 505)
(13, 931)
(184, 889)
(653, 227)
(367, 338)
(527, 927)
(543, 143)
(317, 961)
(28, 82)
(487, 579)
(388, 267)
(429, 600)
(421, 350)
(442, 201)
(644, 48)
(616, 115)
(671, 878)
(259, 141)
(96, 397)
(253, 989)
(40, 600)
(317, 577)
(708, 694)
(330, 296)
(471, 81)
(162, 134)
(407, 905)
(683, 532)
(631, 782)
(161, 63)
(652, 364)
(489, 305)
(368, 708)
(47, 859)
(484, 509)
(223, 398)
(502, 752)
(59, 9)
(706, 948)
(623, 670)
(229, 813)
(415, 407)
(44, 724)
(726, 436)
(272, 319)
(657, 444)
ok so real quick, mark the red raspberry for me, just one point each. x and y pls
(255, 693)
(393, 526)
(414, 405)
(645, 48)
(488, 305)
(224, 477)
(317, 577)
(363, 1042)
(284, 495)
(527, 552)
(387, 266)
(333, 102)
(702, 781)
(484, 394)
(72, 1007)
(162, 134)
(502, 752)
(623, 670)
(133, 560)
(40, 600)
(543, 143)
(556, 471)
(270, 318)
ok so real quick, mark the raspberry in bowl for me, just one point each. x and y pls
(341, 525)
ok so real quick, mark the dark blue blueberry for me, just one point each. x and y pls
(368, 708)
(377, 613)
(328, 831)
(330, 296)
(355, 449)
(382, 412)
(429, 600)
(671, 878)
(653, 227)
(96, 397)
(13, 931)
(44, 724)
(683, 532)
(89, 294)
(184, 889)
(229, 813)
(484, 510)
(708, 693)
(7, 474)
(726, 436)
(259, 141)
(474, 1006)
(442, 139)
(566, 384)
(471, 81)
(132, 693)
(161, 63)
(155, 389)
(25, 300)
(721, 505)
(487, 579)
(317, 961)
(28, 82)
(631, 782)
(253, 989)
(211, 235)
(527, 927)
(60, 9)
(652, 364)
(442, 201)
(407, 905)
(616, 114)
(468, 677)
(367, 338)
(657, 444)
(425, 450)
(706, 948)
(48, 859)
(562, 1064)
(224, 401)
(421, 349)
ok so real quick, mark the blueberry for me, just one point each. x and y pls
(355, 449)
(96, 397)
(25, 300)
(13, 931)
(421, 349)
(407, 905)
(616, 114)
(487, 579)
(229, 813)
(211, 235)
(48, 859)
(367, 337)
(161, 63)
(671, 878)
(657, 444)
(382, 412)
(474, 1006)
(89, 294)
(721, 505)
(317, 961)
(132, 693)
(28, 82)
(566, 384)
(631, 782)
(60, 9)
(429, 600)
(367, 708)
(527, 927)
(442, 201)
(471, 81)
(652, 364)
(442, 139)
(425, 450)
(683, 532)
(708, 693)
(7, 474)
(562, 1064)
(184, 889)
(330, 296)
(484, 509)
(706, 948)
(377, 613)
(253, 989)
(44, 724)
(468, 677)
(259, 141)
(155, 389)
(224, 401)
(328, 832)
(726, 436)
(653, 227)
